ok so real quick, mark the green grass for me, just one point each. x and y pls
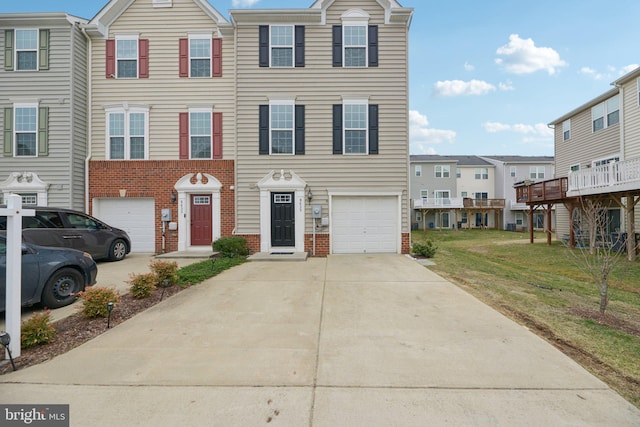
(203, 270)
(546, 284)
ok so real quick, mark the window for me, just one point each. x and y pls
(512, 171)
(127, 133)
(282, 198)
(355, 127)
(566, 130)
(418, 216)
(201, 200)
(424, 194)
(442, 171)
(482, 173)
(281, 46)
(536, 172)
(609, 110)
(82, 222)
(200, 134)
(519, 218)
(26, 130)
(458, 173)
(355, 44)
(638, 83)
(606, 161)
(418, 170)
(29, 199)
(200, 56)
(574, 168)
(463, 194)
(281, 128)
(442, 194)
(127, 57)
(482, 195)
(26, 49)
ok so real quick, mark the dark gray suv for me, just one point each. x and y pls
(66, 228)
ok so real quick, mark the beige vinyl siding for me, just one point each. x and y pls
(52, 88)
(318, 86)
(631, 120)
(164, 91)
(79, 124)
(584, 146)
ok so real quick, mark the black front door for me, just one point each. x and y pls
(282, 219)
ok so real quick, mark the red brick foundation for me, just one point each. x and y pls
(156, 179)
(323, 244)
(406, 243)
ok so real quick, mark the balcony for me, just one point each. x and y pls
(552, 191)
(483, 203)
(438, 203)
(610, 178)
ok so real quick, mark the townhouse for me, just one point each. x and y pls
(454, 191)
(288, 127)
(43, 89)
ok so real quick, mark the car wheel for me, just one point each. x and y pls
(62, 288)
(118, 250)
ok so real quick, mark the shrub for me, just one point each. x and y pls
(142, 285)
(37, 330)
(165, 270)
(95, 301)
(231, 246)
(426, 249)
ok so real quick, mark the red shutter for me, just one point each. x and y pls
(111, 59)
(216, 45)
(184, 135)
(143, 58)
(183, 48)
(217, 135)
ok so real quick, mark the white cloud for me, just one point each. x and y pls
(469, 67)
(538, 130)
(610, 73)
(590, 72)
(506, 86)
(459, 87)
(521, 56)
(244, 3)
(628, 68)
(422, 137)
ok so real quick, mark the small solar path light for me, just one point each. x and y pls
(109, 309)
(5, 339)
(165, 285)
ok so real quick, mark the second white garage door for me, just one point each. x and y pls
(133, 215)
(364, 224)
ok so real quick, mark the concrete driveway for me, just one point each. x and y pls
(370, 340)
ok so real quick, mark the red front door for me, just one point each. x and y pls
(201, 220)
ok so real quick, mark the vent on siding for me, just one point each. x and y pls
(162, 3)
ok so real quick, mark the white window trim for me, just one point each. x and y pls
(608, 159)
(356, 18)
(576, 166)
(354, 101)
(638, 89)
(424, 194)
(126, 109)
(418, 170)
(201, 36)
(481, 173)
(292, 103)
(513, 171)
(437, 194)
(536, 170)
(566, 127)
(15, 128)
(291, 46)
(519, 218)
(123, 37)
(443, 169)
(605, 113)
(201, 110)
(16, 50)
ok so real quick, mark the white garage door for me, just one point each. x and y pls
(367, 224)
(133, 215)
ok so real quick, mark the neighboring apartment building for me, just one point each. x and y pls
(516, 169)
(322, 119)
(43, 119)
(163, 129)
(454, 191)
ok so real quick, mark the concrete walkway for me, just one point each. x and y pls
(343, 341)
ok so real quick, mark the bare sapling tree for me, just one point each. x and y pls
(604, 250)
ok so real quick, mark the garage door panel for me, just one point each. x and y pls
(364, 224)
(136, 216)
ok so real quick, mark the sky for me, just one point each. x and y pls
(486, 76)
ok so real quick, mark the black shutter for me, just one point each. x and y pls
(373, 45)
(299, 52)
(263, 36)
(337, 45)
(299, 120)
(263, 144)
(337, 129)
(373, 129)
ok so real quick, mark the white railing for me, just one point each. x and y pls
(438, 203)
(624, 173)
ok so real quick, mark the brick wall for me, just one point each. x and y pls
(406, 243)
(155, 179)
(323, 244)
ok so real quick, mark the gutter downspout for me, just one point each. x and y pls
(88, 119)
(621, 113)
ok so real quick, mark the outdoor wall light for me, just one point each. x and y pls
(165, 285)
(5, 340)
(173, 197)
(309, 195)
(109, 310)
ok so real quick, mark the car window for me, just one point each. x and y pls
(81, 221)
(3, 247)
(47, 219)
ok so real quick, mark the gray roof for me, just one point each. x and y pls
(460, 160)
(522, 159)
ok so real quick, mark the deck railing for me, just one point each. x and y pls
(484, 203)
(614, 174)
(438, 203)
(545, 191)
